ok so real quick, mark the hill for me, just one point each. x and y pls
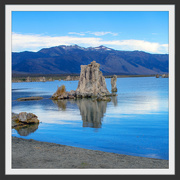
(68, 59)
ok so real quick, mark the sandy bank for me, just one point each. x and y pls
(35, 154)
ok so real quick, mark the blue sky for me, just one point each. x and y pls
(122, 30)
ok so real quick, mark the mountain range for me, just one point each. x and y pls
(68, 59)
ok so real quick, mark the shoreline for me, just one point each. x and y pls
(74, 77)
(70, 77)
(28, 153)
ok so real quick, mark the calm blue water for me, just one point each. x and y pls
(135, 122)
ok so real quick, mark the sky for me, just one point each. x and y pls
(121, 30)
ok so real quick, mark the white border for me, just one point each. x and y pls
(170, 8)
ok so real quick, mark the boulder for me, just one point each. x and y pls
(113, 83)
(15, 116)
(91, 81)
(24, 118)
(28, 117)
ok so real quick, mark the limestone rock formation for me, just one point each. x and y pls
(51, 79)
(113, 83)
(42, 79)
(165, 76)
(157, 75)
(28, 117)
(71, 78)
(24, 118)
(68, 78)
(28, 79)
(91, 84)
(91, 81)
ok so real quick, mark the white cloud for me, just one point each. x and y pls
(142, 45)
(81, 34)
(101, 33)
(31, 42)
(22, 42)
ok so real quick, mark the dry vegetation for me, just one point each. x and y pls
(60, 90)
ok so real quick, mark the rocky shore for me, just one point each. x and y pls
(36, 154)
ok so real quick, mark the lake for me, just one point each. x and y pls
(136, 122)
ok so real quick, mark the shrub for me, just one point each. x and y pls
(60, 90)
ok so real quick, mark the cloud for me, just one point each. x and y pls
(101, 33)
(35, 42)
(141, 45)
(31, 42)
(81, 34)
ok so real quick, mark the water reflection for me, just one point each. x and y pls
(27, 129)
(134, 104)
(61, 104)
(114, 100)
(92, 112)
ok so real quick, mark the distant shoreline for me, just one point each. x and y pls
(38, 154)
(14, 75)
(65, 77)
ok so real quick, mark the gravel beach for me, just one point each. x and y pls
(36, 154)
